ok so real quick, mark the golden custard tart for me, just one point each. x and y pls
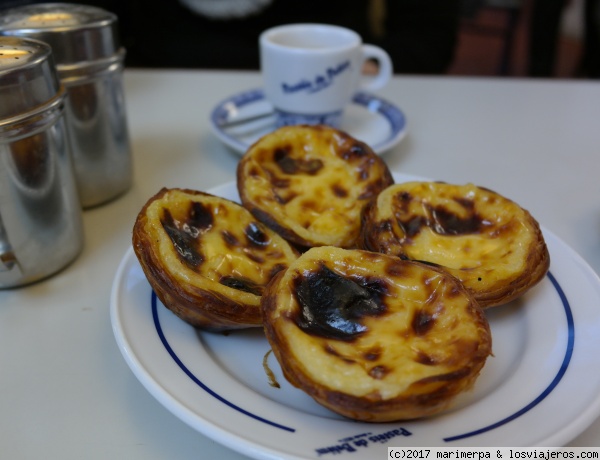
(374, 337)
(207, 258)
(310, 184)
(489, 242)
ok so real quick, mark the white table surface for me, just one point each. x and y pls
(65, 389)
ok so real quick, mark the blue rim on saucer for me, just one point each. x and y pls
(288, 119)
(241, 119)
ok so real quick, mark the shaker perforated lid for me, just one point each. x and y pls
(28, 77)
(76, 33)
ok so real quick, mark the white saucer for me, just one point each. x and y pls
(243, 118)
(540, 388)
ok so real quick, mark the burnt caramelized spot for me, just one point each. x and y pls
(505, 229)
(370, 191)
(440, 219)
(422, 322)
(355, 150)
(255, 236)
(373, 354)
(424, 358)
(395, 268)
(384, 226)
(375, 285)
(200, 217)
(275, 179)
(291, 165)
(281, 153)
(254, 257)
(242, 284)
(332, 306)
(445, 222)
(411, 227)
(310, 206)
(284, 199)
(230, 239)
(404, 198)
(339, 191)
(184, 234)
(279, 182)
(378, 372)
(276, 269)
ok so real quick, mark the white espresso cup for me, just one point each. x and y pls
(311, 72)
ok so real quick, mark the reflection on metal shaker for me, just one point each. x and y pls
(40, 212)
(89, 61)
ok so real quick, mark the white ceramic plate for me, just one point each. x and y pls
(369, 118)
(541, 387)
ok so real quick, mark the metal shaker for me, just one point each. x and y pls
(90, 62)
(40, 214)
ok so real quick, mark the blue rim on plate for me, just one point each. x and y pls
(526, 408)
(239, 120)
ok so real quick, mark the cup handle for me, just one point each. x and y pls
(386, 69)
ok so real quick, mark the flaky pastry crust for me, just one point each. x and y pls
(373, 337)
(490, 243)
(310, 184)
(207, 258)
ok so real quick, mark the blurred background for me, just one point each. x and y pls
(509, 38)
(494, 39)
